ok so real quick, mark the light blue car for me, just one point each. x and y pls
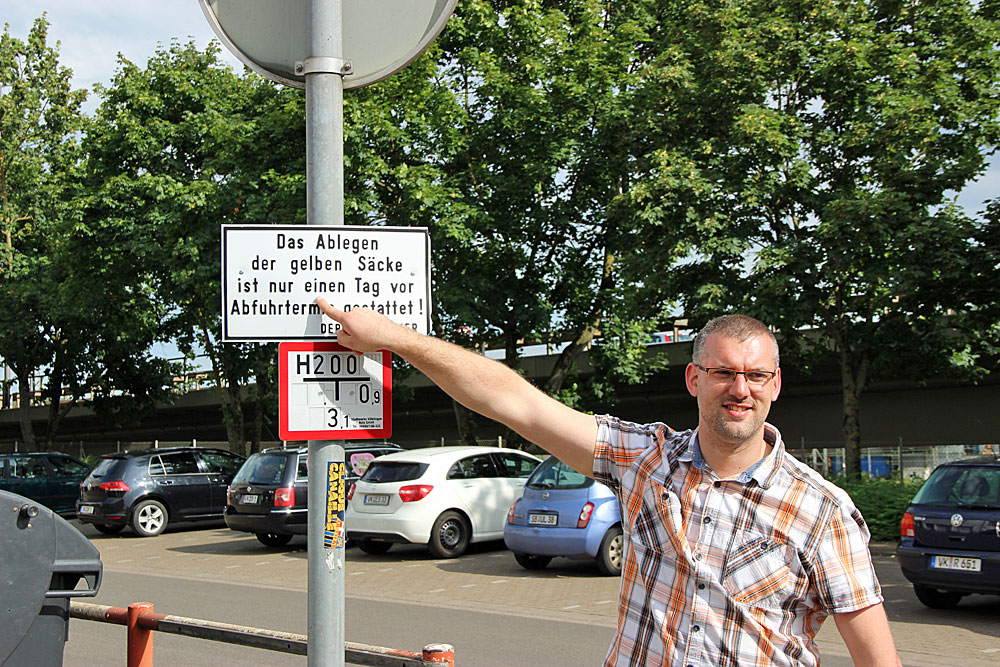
(564, 513)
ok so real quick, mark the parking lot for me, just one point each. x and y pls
(492, 611)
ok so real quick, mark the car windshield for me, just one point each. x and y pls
(394, 471)
(963, 486)
(262, 469)
(554, 474)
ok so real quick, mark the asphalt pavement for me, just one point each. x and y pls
(494, 612)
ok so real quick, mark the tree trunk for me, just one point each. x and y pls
(853, 380)
(24, 409)
(465, 423)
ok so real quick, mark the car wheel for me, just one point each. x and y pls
(450, 535)
(609, 557)
(273, 539)
(374, 548)
(108, 529)
(149, 518)
(531, 562)
(936, 599)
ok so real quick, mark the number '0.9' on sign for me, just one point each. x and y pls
(329, 392)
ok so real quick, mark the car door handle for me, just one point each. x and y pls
(167, 481)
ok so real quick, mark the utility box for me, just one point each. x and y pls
(43, 560)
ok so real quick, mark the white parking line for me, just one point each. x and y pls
(263, 562)
(499, 581)
(469, 585)
(572, 606)
(437, 590)
(603, 602)
(387, 569)
(230, 567)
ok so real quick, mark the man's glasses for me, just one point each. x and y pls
(727, 375)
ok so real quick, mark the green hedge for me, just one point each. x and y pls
(881, 501)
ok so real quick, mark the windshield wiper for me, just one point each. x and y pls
(981, 506)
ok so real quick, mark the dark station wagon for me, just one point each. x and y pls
(950, 534)
(269, 495)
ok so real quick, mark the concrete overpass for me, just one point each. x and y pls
(808, 412)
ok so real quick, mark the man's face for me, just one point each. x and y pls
(734, 411)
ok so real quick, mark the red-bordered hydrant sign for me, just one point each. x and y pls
(327, 392)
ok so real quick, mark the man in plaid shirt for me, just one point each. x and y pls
(736, 552)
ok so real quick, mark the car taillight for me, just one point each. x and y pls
(585, 515)
(115, 486)
(284, 497)
(409, 494)
(350, 492)
(510, 513)
(906, 526)
(229, 496)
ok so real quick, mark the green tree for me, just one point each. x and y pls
(513, 139)
(824, 200)
(72, 326)
(178, 148)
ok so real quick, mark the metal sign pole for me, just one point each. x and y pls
(323, 69)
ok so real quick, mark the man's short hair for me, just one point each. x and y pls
(739, 327)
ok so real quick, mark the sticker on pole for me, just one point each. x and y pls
(327, 392)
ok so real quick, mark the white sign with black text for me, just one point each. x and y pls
(272, 275)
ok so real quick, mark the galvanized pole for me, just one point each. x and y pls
(325, 206)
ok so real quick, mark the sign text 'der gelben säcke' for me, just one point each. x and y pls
(272, 275)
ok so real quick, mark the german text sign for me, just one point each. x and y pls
(327, 392)
(272, 275)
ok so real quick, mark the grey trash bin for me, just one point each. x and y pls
(43, 559)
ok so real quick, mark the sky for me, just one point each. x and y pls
(91, 33)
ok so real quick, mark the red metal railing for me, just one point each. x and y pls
(142, 621)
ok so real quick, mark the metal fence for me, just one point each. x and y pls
(899, 462)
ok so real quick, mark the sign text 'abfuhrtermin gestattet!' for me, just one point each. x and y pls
(272, 275)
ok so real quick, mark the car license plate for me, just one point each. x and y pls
(250, 499)
(86, 509)
(543, 519)
(376, 499)
(956, 563)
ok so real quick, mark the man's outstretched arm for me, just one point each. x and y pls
(480, 384)
(868, 638)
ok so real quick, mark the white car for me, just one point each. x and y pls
(444, 497)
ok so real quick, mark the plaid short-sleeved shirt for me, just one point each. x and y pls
(736, 572)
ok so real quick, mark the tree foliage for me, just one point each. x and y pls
(66, 330)
(824, 198)
(178, 148)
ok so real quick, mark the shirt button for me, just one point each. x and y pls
(697, 556)
(708, 519)
(716, 484)
(701, 587)
(696, 628)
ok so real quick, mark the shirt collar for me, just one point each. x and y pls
(763, 471)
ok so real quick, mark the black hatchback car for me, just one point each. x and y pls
(269, 495)
(49, 478)
(950, 534)
(151, 488)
